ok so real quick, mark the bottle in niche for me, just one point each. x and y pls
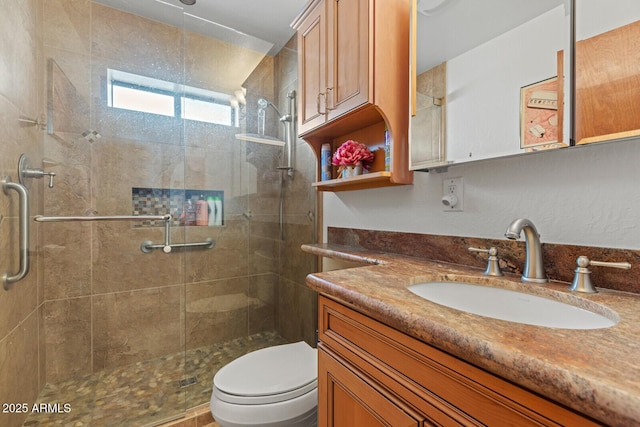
(212, 210)
(202, 211)
(188, 213)
(217, 201)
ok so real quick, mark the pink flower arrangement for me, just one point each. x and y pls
(351, 153)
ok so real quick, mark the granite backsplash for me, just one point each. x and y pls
(559, 260)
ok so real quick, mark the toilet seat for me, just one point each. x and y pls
(270, 375)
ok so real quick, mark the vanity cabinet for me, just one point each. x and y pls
(371, 374)
(353, 57)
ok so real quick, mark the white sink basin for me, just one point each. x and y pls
(510, 305)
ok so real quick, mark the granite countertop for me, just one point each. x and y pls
(595, 372)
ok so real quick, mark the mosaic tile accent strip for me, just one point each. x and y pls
(160, 201)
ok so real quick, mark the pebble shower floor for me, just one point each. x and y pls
(145, 392)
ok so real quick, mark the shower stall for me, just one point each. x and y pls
(125, 322)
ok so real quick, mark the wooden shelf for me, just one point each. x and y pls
(367, 180)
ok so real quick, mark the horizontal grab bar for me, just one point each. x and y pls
(167, 246)
(149, 246)
(146, 246)
(40, 218)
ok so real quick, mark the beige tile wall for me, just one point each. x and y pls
(21, 83)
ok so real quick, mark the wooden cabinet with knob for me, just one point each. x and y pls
(371, 374)
(353, 62)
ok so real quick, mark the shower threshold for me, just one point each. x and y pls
(147, 392)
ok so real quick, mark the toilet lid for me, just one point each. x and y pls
(271, 374)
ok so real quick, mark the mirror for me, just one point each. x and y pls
(489, 79)
(607, 70)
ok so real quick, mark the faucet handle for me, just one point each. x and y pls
(582, 279)
(25, 171)
(493, 266)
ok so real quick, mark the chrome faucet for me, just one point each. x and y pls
(533, 267)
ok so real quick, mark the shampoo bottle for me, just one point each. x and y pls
(218, 204)
(212, 210)
(202, 211)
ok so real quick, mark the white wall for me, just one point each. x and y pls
(483, 86)
(583, 195)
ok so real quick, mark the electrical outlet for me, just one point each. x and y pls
(453, 194)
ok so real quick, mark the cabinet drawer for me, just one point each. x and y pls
(410, 367)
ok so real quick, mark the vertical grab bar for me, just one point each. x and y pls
(9, 279)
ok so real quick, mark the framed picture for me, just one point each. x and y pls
(539, 111)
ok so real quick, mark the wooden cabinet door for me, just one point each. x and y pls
(348, 56)
(348, 399)
(312, 53)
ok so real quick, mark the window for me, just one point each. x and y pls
(148, 95)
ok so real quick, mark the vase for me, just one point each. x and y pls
(352, 170)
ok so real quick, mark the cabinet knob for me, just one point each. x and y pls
(582, 279)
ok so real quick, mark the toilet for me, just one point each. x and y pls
(274, 386)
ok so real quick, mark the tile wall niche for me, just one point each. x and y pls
(162, 201)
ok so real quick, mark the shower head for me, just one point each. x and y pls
(263, 104)
(188, 2)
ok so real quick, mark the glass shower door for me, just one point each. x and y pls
(114, 314)
(230, 297)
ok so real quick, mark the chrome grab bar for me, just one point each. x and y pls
(41, 218)
(9, 279)
(146, 246)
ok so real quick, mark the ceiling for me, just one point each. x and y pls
(264, 25)
(253, 21)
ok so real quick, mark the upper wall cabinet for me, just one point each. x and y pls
(353, 57)
(335, 45)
